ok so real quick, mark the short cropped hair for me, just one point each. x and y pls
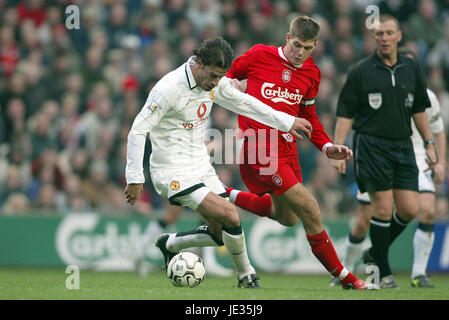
(215, 52)
(387, 17)
(305, 28)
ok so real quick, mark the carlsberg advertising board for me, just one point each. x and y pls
(97, 242)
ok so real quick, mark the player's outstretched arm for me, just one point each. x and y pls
(301, 124)
(232, 99)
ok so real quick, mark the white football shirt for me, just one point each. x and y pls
(175, 115)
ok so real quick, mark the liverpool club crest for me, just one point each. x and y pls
(286, 75)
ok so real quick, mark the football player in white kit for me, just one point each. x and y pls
(175, 115)
(424, 235)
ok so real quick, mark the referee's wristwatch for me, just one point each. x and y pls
(426, 143)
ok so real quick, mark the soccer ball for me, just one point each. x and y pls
(186, 269)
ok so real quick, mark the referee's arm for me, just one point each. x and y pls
(342, 128)
(346, 110)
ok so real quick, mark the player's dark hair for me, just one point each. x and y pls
(215, 52)
(305, 28)
(406, 51)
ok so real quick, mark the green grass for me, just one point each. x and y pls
(27, 283)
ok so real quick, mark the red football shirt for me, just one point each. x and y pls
(276, 82)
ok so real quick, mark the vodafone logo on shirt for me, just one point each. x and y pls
(277, 94)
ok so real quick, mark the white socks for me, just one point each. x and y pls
(179, 241)
(235, 243)
(422, 246)
(352, 254)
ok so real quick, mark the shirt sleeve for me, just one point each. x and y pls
(152, 112)
(232, 99)
(307, 110)
(239, 68)
(421, 100)
(348, 101)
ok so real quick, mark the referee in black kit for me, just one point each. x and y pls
(382, 92)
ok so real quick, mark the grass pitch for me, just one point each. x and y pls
(50, 284)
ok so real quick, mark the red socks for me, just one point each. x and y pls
(325, 252)
(251, 202)
(320, 243)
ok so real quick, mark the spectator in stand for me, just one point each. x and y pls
(44, 66)
(15, 126)
(424, 27)
(16, 204)
(45, 203)
(438, 57)
(13, 184)
(9, 52)
(41, 135)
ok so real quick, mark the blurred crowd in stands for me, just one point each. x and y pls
(68, 96)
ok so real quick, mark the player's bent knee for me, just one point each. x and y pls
(360, 228)
(231, 216)
(427, 216)
(409, 214)
(289, 221)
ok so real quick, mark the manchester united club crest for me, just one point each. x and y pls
(286, 75)
(174, 185)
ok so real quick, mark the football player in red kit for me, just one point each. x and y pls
(287, 79)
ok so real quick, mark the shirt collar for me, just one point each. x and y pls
(379, 61)
(189, 74)
(282, 55)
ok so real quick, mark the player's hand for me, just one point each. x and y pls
(339, 152)
(439, 173)
(432, 158)
(303, 125)
(340, 165)
(239, 85)
(133, 191)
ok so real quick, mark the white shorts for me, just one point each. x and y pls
(188, 191)
(425, 181)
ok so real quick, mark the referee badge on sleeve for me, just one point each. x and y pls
(375, 100)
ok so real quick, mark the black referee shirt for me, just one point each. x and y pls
(381, 99)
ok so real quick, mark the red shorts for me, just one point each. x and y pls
(288, 174)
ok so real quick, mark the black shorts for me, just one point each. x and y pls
(382, 164)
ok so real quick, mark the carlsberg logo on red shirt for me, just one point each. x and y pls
(277, 94)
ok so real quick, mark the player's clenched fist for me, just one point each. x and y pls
(132, 192)
(303, 125)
